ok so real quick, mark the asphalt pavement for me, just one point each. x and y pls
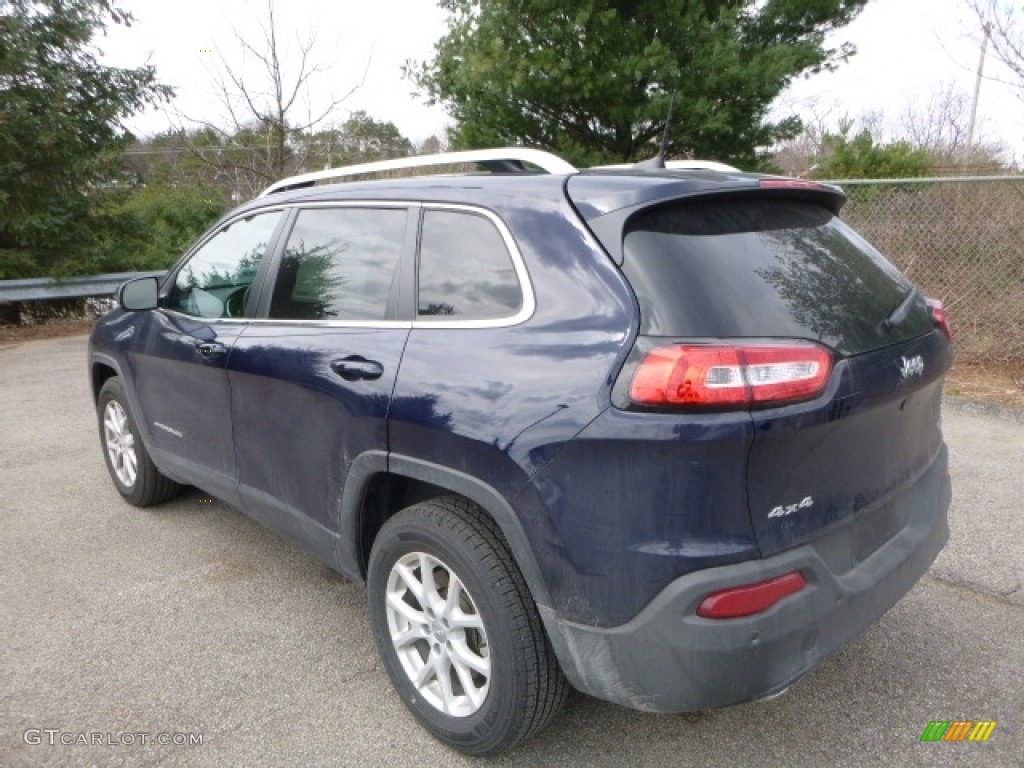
(189, 635)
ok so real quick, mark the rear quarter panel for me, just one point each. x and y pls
(499, 403)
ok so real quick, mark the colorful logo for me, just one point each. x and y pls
(958, 730)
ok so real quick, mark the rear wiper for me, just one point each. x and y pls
(900, 314)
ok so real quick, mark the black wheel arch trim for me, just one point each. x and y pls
(99, 358)
(158, 456)
(367, 465)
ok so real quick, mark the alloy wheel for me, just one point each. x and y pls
(120, 443)
(438, 634)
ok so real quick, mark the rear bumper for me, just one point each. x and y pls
(667, 659)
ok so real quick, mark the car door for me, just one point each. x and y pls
(180, 359)
(311, 381)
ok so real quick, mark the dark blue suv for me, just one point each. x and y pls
(667, 437)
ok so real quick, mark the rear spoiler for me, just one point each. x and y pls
(609, 225)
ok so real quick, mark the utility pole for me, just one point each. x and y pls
(987, 29)
(330, 138)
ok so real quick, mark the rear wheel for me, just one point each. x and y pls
(458, 632)
(135, 476)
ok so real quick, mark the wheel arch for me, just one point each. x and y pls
(381, 484)
(102, 368)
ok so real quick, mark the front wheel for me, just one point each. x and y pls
(135, 476)
(457, 630)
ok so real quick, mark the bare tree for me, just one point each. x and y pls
(798, 156)
(942, 127)
(936, 124)
(268, 104)
(432, 145)
(1005, 22)
(939, 124)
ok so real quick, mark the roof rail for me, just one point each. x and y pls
(507, 159)
(676, 165)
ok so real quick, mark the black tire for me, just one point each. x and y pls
(145, 486)
(525, 687)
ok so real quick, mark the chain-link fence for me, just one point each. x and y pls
(962, 241)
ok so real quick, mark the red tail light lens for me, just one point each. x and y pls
(728, 375)
(749, 599)
(940, 317)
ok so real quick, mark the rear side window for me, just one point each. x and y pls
(339, 264)
(465, 269)
(763, 268)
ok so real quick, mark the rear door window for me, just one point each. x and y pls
(763, 268)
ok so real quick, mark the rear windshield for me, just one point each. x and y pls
(764, 268)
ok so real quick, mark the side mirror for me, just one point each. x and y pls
(139, 294)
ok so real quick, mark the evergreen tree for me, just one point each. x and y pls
(592, 80)
(61, 133)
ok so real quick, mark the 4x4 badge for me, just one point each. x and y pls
(911, 366)
(788, 509)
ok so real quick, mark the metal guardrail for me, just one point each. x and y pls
(48, 289)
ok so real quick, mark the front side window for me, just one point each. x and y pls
(465, 269)
(215, 281)
(340, 264)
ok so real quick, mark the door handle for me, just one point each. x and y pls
(355, 367)
(210, 349)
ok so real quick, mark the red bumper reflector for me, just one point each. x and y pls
(750, 598)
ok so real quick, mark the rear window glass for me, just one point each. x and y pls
(763, 268)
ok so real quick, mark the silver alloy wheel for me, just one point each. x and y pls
(120, 443)
(438, 634)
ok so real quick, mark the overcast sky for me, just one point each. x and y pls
(907, 50)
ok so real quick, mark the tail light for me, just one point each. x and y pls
(940, 317)
(749, 599)
(730, 375)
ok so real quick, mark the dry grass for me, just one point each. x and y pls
(999, 383)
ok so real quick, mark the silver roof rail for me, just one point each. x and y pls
(508, 159)
(677, 165)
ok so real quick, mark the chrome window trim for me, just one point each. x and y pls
(529, 301)
(198, 320)
(525, 312)
(262, 321)
(353, 203)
